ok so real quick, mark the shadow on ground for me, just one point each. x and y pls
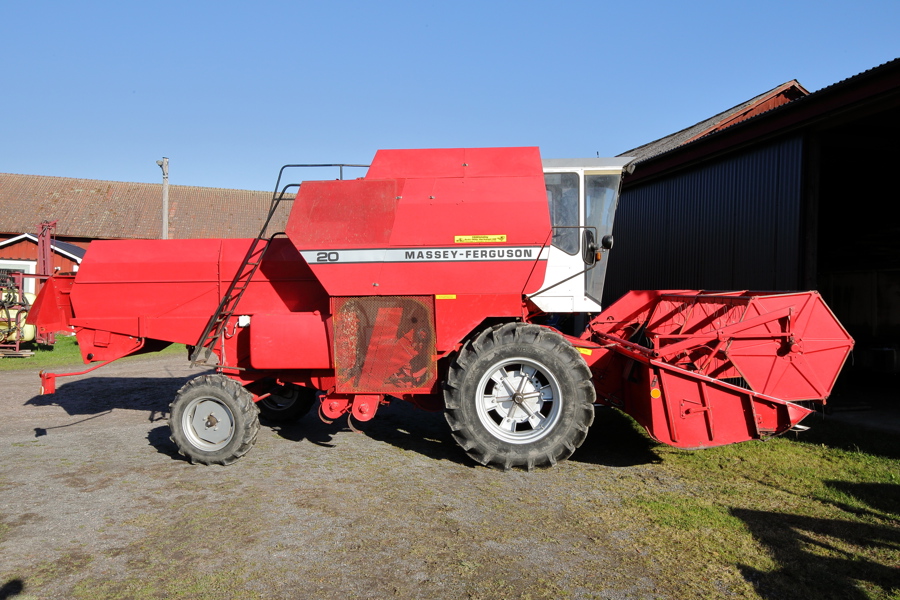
(614, 440)
(850, 437)
(821, 558)
(398, 423)
(97, 395)
(11, 589)
(881, 497)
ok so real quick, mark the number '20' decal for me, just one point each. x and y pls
(327, 257)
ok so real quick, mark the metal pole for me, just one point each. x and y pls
(164, 165)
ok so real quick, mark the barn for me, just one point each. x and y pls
(790, 190)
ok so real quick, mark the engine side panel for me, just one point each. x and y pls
(427, 222)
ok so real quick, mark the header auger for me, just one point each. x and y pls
(438, 279)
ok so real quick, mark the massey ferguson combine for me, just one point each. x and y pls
(450, 279)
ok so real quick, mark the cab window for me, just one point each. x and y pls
(562, 196)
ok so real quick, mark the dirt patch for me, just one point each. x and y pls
(96, 503)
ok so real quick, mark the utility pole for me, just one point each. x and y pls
(164, 165)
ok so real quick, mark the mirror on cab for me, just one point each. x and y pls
(590, 252)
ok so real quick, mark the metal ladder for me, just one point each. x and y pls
(215, 327)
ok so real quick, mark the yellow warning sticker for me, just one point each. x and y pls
(445, 297)
(479, 239)
(585, 351)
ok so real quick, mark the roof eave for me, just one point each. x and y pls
(878, 85)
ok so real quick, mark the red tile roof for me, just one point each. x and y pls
(113, 209)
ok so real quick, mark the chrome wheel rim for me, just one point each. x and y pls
(518, 400)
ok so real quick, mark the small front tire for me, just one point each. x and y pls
(213, 420)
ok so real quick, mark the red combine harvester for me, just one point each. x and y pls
(460, 280)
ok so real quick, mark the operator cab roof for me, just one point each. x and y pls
(612, 163)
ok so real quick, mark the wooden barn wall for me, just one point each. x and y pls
(27, 250)
(731, 224)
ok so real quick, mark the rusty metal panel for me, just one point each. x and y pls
(730, 224)
(384, 344)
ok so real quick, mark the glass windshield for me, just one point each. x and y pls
(562, 196)
(601, 193)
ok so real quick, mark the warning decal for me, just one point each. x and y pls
(479, 239)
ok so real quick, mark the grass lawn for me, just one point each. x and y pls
(809, 515)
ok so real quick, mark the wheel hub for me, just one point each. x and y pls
(518, 400)
(209, 423)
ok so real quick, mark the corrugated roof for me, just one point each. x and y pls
(113, 209)
(875, 89)
(880, 80)
(773, 98)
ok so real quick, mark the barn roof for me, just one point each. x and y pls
(784, 93)
(98, 209)
(872, 92)
(76, 253)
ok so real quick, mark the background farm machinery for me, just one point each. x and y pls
(15, 301)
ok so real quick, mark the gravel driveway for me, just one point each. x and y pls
(96, 503)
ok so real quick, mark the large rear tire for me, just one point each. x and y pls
(213, 420)
(519, 395)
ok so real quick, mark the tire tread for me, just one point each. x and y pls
(493, 452)
(246, 420)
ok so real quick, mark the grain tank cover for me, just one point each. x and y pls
(421, 220)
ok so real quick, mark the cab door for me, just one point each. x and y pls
(581, 196)
(601, 196)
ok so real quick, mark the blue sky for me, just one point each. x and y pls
(230, 91)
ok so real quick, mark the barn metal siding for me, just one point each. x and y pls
(726, 225)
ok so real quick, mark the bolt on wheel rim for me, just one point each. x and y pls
(518, 400)
(208, 424)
